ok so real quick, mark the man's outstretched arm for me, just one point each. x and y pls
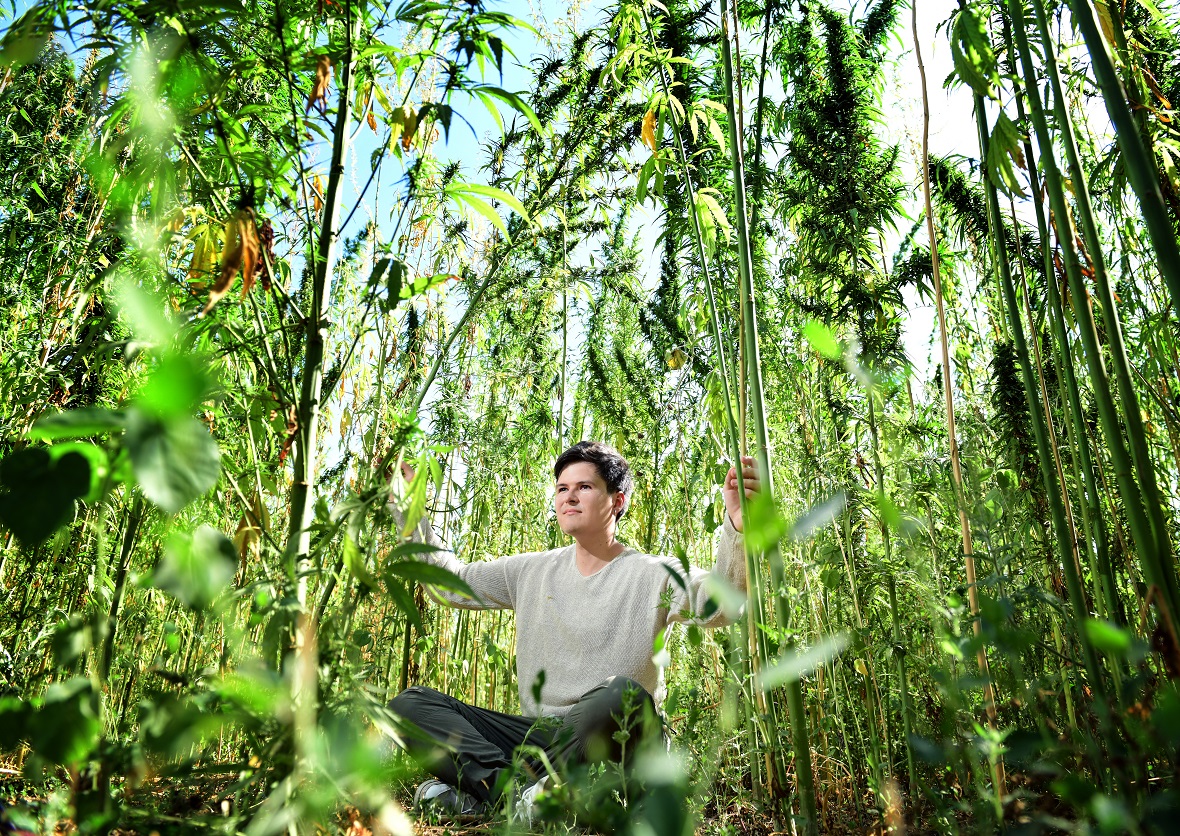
(694, 602)
(488, 579)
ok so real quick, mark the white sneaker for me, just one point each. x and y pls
(434, 795)
(525, 808)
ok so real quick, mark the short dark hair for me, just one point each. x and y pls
(609, 463)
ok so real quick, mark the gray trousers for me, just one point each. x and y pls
(472, 748)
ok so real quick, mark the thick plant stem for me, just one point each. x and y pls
(308, 408)
(1079, 444)
(956, 470)
(132, 531)
(794, 691)
(1141, 170)
(298, 551)
(899, 645)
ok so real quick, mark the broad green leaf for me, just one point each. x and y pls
(25, 39)
(971, 50)
(822, 339)
(196, 567)
(76, 423)
(65, 727)
(1108, 637)
(39, 491)
(763, 525)
(175, 387)
(175, 460)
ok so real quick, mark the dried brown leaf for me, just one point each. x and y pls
(323, 77)
(240, 255)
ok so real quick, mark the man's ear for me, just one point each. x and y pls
(620, 501)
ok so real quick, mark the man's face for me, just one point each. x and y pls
(584, 505)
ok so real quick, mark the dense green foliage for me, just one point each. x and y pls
(695, 234)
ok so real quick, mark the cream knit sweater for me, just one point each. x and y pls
(580, 630)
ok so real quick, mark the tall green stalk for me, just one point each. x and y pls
(794, 691)
(756, 592)
(1141, 170)
(1163, 565)
(1142, 530)
(1062, 533)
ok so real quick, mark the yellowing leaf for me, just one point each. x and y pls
(317, 193)
(648, 132)
(372, 121)
(204, 255)
(240, 255)
(409, 126)
(319, 91)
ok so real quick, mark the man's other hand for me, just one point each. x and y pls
(729, 492)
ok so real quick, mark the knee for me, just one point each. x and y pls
(624, 696)
(411, 703)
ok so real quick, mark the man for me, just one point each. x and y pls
(587, 615)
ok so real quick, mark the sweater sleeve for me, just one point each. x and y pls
(691, 601)
(492, 581)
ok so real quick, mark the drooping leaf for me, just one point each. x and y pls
(318, 97)
(175, 460)
(429, 574)
(648, 131)
(971, 50)
(197, 568)
(240, 255)
(1004, 151)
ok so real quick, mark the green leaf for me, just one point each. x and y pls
(65, 728)
(197, 568)
(971, 50)
(25, 39)
(513, 101)
(15, 715)
(500, 195)
(1003, 152)
(393, 285)
(175, 388)
(1108, 637)
(39, 492)
(354, 559)
(175, 460)
(793, 665)
(76, 423)
(429, 574)
(763, 525)
(403, 599)
(483, 208)
(822, 340)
